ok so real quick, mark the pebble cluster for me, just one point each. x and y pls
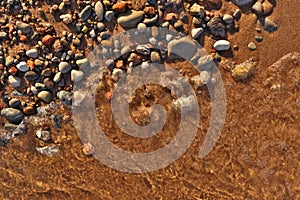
(39, 63)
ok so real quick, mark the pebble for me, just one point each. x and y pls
(48, 40)
(43, 135)
(251, 46)
(45, 96)
(65, 97)
(267, 24)
(24, 27)
(64, 67)
(56, 120)
(9, 60)
(22, 66)
(31, 76)
(155, 57)
(109, 15)
(183, 47)
(29, 110)
(18, 129)
(99, 10)
(48, 150)
(237, 14)
(12, 115)
(258, 38)
(222, 45)
(57, 77)
(197, 10)
(131, 19)
(14, 81)
(243, 71)
(14, 103)
(228, 19)
(196, 32)
(242, 2)
(257, 8)
(76, 75)
(85, 13)
(32, 53)
(67, 18)
(267, 7)
(120, 7)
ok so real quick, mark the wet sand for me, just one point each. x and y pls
(256, 157)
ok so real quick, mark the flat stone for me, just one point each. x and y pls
(242, 2)
(196, 32)
(14, 81)
(251, 46)
(12, 115)
(45, 96)
(14, 103)
(64, 67)
(48, 40)
(22, 66)
(85, 13)
(24, 27)
(99, 10)
(76, 75)
(267, 24)
(65, 97)
(130, 19)
(222, 45)
(32, 53)
(183, 47)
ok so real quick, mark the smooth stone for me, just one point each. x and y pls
(237, 14)
(22, 66)
(64, 67)
(99, 10)
(9, 60)
(259, 38)
(31, 76)
(257, 8)
(14, 103)
(228, 19)
(130, 19)
(32, 53)
(85, 13)
(57, 77)
(45, 96)
(242, 2)
(196, 32)
(109, 15)
(12, 115)
(267, 7)
(29, 110)
(267, 24)
(76, 75)
(183, 47)
(14, 81)
(65, 97)
(82, 62)
(24, 27)
(222, 45)
(251, 46)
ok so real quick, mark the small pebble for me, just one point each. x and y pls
(252, 46)
(45, 96)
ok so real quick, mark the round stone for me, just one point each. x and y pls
(22, 66)
(196, 32)
(228, 19)
(14, 103)
(251, 46)
(183, 47)
(242, 2)
(32, 53)
(24, 27)
(43, 135)
(109, 15)
(65, 97)
(57, 77)
(64, 67)
(257, 8)
(222, 45)
(267, 24)
(31, 76)
(45, 96)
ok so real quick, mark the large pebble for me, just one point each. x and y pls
(267, 24)
(109, 15)
(99, 10)
(31, 76)
(222, 45)
(130, 19)
(14, 103)
(45, 96)
(64, 67)
(32, 53)
(183, 47)
(14, 81)
(22, 66)
(12, 115)
(85, 13)
(76, 75)
(24, 27)
(65, 97)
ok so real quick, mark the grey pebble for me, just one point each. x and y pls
(24, 27)
(109, 15)
(222, 45)
(14, 81)
(31, 76)
(99, 10)
(64, 67)
(14, 103)
(45, 96)
(267, 24)
(183, 47)
(251, 46)
(32, 53)
(258, 38)
(22, 66)
(76, 75)
(85, 13)
(65, 97)
(12, 115)
(57, 77)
